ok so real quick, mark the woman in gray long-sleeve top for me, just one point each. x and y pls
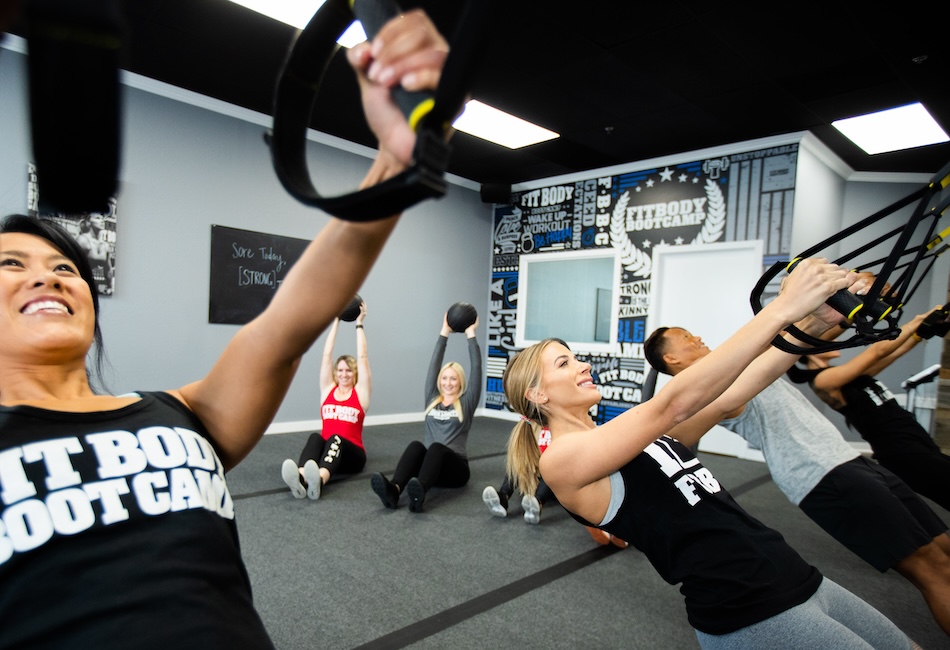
(441, 459)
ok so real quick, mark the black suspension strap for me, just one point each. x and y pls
(75, 101)
(875, 316)
(430, 115)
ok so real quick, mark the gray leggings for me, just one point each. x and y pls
(832, 618)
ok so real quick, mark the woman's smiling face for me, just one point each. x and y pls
(565, 381)
(44, 303)
(450, 383)
(344, 374)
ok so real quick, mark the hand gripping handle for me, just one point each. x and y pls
(851, 305)
(296, 93)
(373, 14)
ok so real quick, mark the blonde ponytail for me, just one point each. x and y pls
(523, 457)
(522, 374)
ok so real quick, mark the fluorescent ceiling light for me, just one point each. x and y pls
(353, 35)
(297, 13)
(496, 126)
(478, 119)
(904, 127)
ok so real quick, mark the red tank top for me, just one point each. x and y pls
(544, 439)
(344, 419)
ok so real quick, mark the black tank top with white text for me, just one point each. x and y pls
(733, 570)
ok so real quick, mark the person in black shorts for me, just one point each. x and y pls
(897, 439)
(861, 504)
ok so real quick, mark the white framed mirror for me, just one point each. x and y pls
(570, 295)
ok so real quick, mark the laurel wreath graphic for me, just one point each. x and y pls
(640, 264)
(633, 259)
(715, 220)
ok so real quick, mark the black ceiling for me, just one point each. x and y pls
(621, 81)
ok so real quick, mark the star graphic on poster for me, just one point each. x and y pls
(695, 179)
(662, 242)
(646, 243)
(666, 175)
(678, 241)
(650, 182)
(639, 189)
(684, 178)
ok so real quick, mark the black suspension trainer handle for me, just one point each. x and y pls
(373, 14)
(874, 317)
(850, 305)
(430, 115)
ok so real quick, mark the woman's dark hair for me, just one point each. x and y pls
(61, 239)
(799, 375)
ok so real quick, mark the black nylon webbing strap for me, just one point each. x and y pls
(297, 92)
(869, 324)
(74, 52)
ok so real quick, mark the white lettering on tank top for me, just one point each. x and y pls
(544, 439)
(678, 469)
(878, 393)
(443, 414)
(157, 469)
(341, 413)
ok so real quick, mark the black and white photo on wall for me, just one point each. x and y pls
(94, 231)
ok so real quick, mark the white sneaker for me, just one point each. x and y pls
(532, 509)
(311, 474)
(493, 501)
(291, 476)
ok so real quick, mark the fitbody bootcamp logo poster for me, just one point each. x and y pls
(732, 198)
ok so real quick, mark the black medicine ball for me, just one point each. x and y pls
(460, 316)
(352, 310)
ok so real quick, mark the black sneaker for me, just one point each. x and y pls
(385, 490)
(417, 494)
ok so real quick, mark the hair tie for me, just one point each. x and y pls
(525, 418)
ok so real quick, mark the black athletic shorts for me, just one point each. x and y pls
(872, 512)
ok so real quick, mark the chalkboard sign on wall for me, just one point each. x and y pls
(246, 269)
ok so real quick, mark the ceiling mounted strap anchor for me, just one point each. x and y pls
(430, 114)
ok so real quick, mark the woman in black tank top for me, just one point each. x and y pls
(633, 476)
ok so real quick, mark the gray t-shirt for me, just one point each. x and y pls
(800, 444)
(443, 423)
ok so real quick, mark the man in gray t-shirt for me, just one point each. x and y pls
(858, 502)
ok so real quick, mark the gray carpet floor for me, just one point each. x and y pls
(344, 572)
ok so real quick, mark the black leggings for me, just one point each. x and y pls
(337, 454)
(437, 466)
(543, 493)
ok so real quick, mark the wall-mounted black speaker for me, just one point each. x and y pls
(496, 193)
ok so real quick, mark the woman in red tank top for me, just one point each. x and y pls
(345, 388)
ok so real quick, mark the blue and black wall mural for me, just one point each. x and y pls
(736, 197)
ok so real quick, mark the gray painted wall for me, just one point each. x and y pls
(186, 168)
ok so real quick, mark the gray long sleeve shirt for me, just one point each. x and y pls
(442, 422)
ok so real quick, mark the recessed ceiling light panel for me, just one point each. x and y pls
(904, 127)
